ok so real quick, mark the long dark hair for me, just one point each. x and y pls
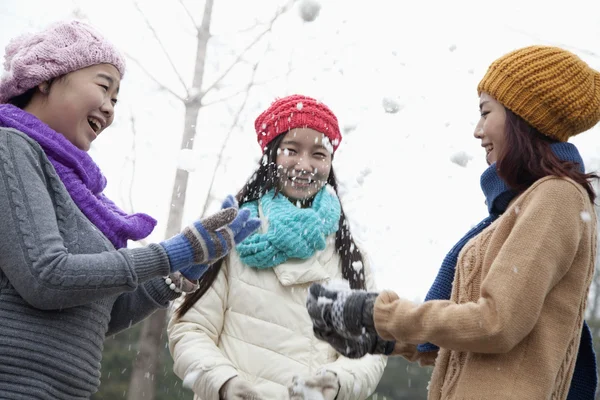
(527, 157)
(264, 179)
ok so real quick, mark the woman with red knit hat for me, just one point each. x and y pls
(246, 333)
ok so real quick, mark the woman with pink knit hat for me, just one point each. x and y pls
(504, 318)
(66, 278)
(245, 334)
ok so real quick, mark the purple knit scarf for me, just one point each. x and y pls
(82, 178)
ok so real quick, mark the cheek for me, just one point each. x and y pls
(323, 170)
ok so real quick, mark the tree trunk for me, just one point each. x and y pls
(141, 385)
(151, 342)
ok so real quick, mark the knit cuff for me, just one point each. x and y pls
(161, 292)
(179, 252)
(194, 272)
(149, 262)
(381, 314)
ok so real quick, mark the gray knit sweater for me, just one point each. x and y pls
(63, 286)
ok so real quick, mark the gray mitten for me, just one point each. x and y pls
(356, 347)
(347, 312)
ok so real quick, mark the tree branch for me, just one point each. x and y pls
(162, 46)
(189, 14)
(244, 89)
(160, 84)
(239, 58)
(226, 141)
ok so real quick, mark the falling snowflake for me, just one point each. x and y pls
(327, 144)
(357, 265)
(585, 216)
(362, 175)
(299, 105)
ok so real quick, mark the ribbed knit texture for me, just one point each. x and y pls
(293, 232)
(552, 89)
(82, 178)
(63, 287)
(498, 196)
(297, 111)
(63, 47)
(513, 324)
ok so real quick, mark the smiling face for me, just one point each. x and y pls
(80, 105)
(490, 128)
(303, 163)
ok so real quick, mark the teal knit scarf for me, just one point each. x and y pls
(293, 232)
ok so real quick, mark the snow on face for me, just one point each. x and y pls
(304, 163)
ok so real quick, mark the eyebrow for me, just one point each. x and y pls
(298, 144)
(483, 103)
(109, 78)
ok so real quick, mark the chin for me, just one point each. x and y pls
(298, 196)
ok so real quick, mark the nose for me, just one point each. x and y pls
(303, 165)
(478, 131)
(108, 109)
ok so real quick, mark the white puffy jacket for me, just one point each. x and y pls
(253, 323)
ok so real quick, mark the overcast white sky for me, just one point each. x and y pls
(408, 202)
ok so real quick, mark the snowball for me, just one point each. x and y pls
(461, 158)
(337, 285)
(309, 10)
(187, 160)
(391, 105)
(308, 393)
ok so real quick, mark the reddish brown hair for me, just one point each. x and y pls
(527, 157)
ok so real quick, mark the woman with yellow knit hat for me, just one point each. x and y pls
(504, 318)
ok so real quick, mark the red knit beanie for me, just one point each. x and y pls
(296, 111)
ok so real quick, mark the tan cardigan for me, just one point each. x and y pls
(512, 327)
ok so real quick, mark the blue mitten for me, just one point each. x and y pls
(249, 225)
(242, 227)
(194, 272)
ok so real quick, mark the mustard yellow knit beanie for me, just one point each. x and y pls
(552, 89)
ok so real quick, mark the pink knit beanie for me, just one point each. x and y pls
(63, 47)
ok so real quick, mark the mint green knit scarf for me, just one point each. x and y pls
(293, 232)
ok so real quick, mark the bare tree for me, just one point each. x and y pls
(147, 361)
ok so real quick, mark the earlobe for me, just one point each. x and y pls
(44, 87)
